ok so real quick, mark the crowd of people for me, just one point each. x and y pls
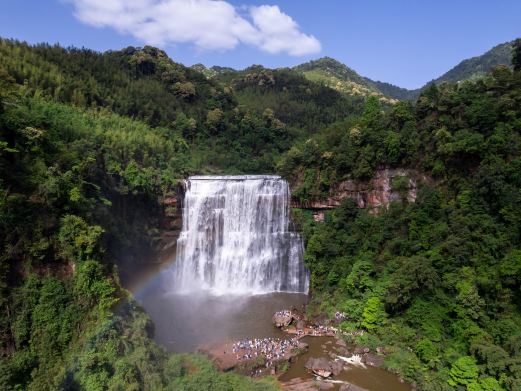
(320, 330)
(271, 349)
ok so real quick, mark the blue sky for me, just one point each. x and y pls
(406, 43)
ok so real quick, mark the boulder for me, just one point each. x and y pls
(361, 350)
(319, 366)
(372, 359)
(341, 342)
(282, 319)
(337, 367)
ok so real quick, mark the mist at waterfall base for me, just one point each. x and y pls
(238, 261)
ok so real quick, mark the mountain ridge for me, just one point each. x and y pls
(339, 76)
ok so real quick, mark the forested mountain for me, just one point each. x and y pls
(265, 112)
(338, 76)
(325, 71)
(478, 66)
(89, 142)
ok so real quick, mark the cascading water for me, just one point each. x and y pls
(236, 237)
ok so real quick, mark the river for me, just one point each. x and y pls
(187, 322)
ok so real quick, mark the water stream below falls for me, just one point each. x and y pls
(186, 323)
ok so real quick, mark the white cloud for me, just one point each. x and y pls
(280, 33)
(207, 24)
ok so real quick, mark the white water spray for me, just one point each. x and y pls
(236, 237)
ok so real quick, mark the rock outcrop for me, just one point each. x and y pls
(172, 222)
(282, 319)
(386, 186)
(372, 360)
(319, 366)
(323, 367)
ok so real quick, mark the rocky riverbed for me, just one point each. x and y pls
(328, 365)
(313, 356)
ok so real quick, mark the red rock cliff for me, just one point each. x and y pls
(372, 194)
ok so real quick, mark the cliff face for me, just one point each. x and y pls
(151, 246)
(386, 186)
(172, 223)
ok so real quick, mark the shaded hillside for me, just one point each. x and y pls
(140, 83)
(304, 106)
(395, 92)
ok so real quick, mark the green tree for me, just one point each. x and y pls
(464, 371)
(426, 350)
(78, 240)
(373, 314)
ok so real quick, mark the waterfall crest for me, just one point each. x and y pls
(236, 237)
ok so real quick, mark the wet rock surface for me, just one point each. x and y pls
(361, 350)
(372, 359)
(282, 319)
(333, 357)
(320, 366)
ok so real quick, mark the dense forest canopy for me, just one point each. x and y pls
(241, 126)
(438, 279)
(89, 141)
(79, 168)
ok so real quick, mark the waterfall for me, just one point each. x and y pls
(236, 237)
